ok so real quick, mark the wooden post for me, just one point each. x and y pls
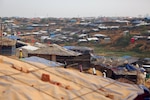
(80, 67)
(53, 57)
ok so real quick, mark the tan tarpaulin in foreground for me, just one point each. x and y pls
(24, 81)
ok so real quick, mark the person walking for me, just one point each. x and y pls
(80, 67)
(20, 53)
(65, 64)
(94, 71)
(105, 73)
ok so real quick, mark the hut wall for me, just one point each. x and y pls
(53, 57)
(48, 57)
(8, 50)
(13, 50)
(84, 60)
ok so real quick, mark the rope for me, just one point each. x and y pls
(31, 86)
(10, 75)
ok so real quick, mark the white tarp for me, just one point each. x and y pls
(29, 47)
(22, 81)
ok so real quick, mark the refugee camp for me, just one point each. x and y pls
(74, 50)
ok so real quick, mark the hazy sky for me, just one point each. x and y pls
(73, 8)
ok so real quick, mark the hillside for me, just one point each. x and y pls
(119, 42)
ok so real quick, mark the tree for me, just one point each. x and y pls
(123, 41)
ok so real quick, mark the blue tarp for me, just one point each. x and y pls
(43, 61)
(126, 57)
(52, 34)
(130, 68)
(147, 18)
(136, 21)
(69, 47)
(144, 88)
(13, 37)
(29, 28)
(98, 57)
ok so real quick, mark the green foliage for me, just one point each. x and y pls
(136, 48)
(67, 43)
(101, 50)
(123, 41)
(75, 36)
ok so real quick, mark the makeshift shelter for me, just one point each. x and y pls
(30, 48)
(25, 50)
(84, 50)
(57, 53)
(7, 46)
(100, 36)
(20, 44)
(20, 81)
(117, 67)
(95, 39)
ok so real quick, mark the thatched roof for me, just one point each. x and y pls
(54, 49)
(7, 42)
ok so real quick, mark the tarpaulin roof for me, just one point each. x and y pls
(78, 48)
(43, 61)
(29, 47)
(13, 37)
(23, 81)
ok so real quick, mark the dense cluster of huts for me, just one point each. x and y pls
(53, 55)
(18, 32)
(73, 56)
(81, 30)
(30, 78)
(41, 47)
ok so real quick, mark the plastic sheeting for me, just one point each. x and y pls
(43, 61)
(73, 85)
(130, 68)
(13, 37)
